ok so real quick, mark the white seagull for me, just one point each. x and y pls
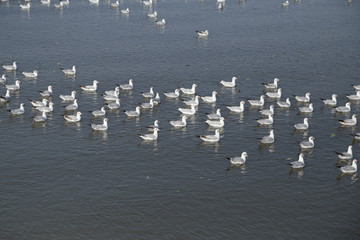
(148, 105)
(125, 11)
(46, 109)
(73, 106)
(14, 87)
(114, 105)
(349, 122)
(214, 116)
(18, 111)
(152, 15)
(232, 83)
(194, 102)
(344, 109)
(237, 109)
(269, 139)
(6, 98)
(3, 79)
(181, 123)
(59, 5)
(128, 86)
(157, 99)
(308, 109)
(115, 5)
(268, 112)
(71, 71)
(211, 138)
(41, 103)
(266, 121)
(331, 102)
(12, 67)
(305, 98)
(238, 160)
(40, 118)
(135, 113)
(155, 125)
(258, 103)
(98, 113)
(25, 6)
(33, 74)
(210, 99)
(90, 88)
(308, 144)
(100, 127)
(302, 126)
(189, 91)
(204, 33)
(299, 163)
(188, 111)
(272, 85)
(216, 123)
(276, 94)
(174, 94)
(354, 97)
(68, 97)
(346, 155)
(113, 92)
(148, 2)
(285, 4)
(151, 136)
(350, 168)
(48, 92)
(149, 94)
(161, 23)
(73, 118)
(285, 104)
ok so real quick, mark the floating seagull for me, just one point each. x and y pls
(285, 4)
(111, 97)
(100, 127)
(174, 94)
(220, 6)
(210, 99)
(40, 118)
(268, 112)
(152, 15)
(46, 109)
(125, 11)
(211, 138)
(65, 2)
(189, 91)
(214, 116)
(59, 5)
(115, 5)
(157, 99)
(14, 87)
(155, 125)
(344, 109)
(151, 136)
(357, 87)
(266, 121)
(90, 88)
(3, 79)
(354, 97)
(330, 102)
(272, 85)
(274, 94)
(188, 111)
(237, 109)
(350, 168)
(25, 6)
(232, 83)
(203, 33)
(127, 86)
(68, 97)
(94, 1)
(41, 103)
(12, 67)
(18, 111)
(161, 23)
(238, 160)
(73, 118)
(346, 155)
(148, 3)
(45, 1)
(113, 92)
(299, 163)
(73, 106)
(135, 113)
(259, 103)
(268, 139)
(285, 104)
(48, 92)
(221, 1)
(181, 123)
(5, 98)
(194, 102)
(216, 123)
(302, 126)
(33, 74)
(98, 113)
(114, 105)
(71, 71)
(308, 109)
(305, 98)
(148, 105)
(308, 144)
(149, 94)
(349, 122)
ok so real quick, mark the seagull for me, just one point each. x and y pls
(210, 99)
(229, 84)
(25, 6)
(211, 138)
(349, 122)
(73, 118)
(346, 155)
(237, 109)
(285, 4)
(90, 88)
(216, 123)
(125, 11)
(357, 87)
(45, 1)
(59, 5)
(308, 109)
(48, 92)
(46, 109)
(3, 79)
(155, 125)
(127, 86)
(18, 111)
(330, 102)
(152, 15)
(285, 104)
(238, 160)
(305, 98)
(344, 109)
(257, 102)
(272, 85)
(354, 97)
(188, 111)
(181, 123)
(98, 113)
(148, 3)
(135, 113)
(12, 67)
(274, 94)
(73, 106)
(268, 112)
(5, 98)
(157, 99)
(100, 127)
(14, 87)
(268, 139)
(148, 105)
(215, 116)
(266, 121)
(220, 6)
(41, 103)
(151, 136)
(40, 118)
(115, 5)
(113, 92)
(189, 91)
(111, 97)
(308, 144)
(71, 71)
(33, 74)
(299, 163)
(68, 97)
(194, 102)
(204, 33)
(356, 136)
(350, 168)
(302, 126)
(94, 1)
(65, 2)
(114, 105)
(149, 94)
(161, 23)
(174, 94)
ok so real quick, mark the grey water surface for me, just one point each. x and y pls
(64, 181)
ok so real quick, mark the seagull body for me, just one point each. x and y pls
(125, 11)
(204, 33)
(148, 105)
(210, 99)
(47, 93)
(73, 118)
(73, 106)
(267, 112)
(46, 109)
(94, 1)
(302, 126)
(194, 102)
(98, 113)
(238, 160)
(215, 116)
(331, 102)
(148, 3)
(114, 105)
(68, 97)
(45, 1)
(71, 71)
(135, 113)
(155, 125)
(12, 67)
(59, 5)
(174, 94)
(149, 94)
(266, 121)
(268, 139)
(232, 83)
(115, 5)
(41, 103)
(161, 23)
(18, 111)
(237, 109)
(346, 155)
(90, 88)
(350, 168)
(308, 144)
(188, 111)
(285, 4)
(65, 2)
(276, 94)
(357, 87)
(3, 79)
(305, 98)
(33, 74)
(113, 92)
(258, 103)
(100, 127)
(152, 15)
(344, 109)
(285, 104)
(272, 85)
(6, 98)
(151, 136)
(111, 97)
(181, 123)
(25, 6)
(211, 138)
(354, 97)
(14, 87)
(216, 123)
(349, 122)
(40, 118)
(299, 163)
(157, 99)
(189, 91)
(128, 86)
(308, 109)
